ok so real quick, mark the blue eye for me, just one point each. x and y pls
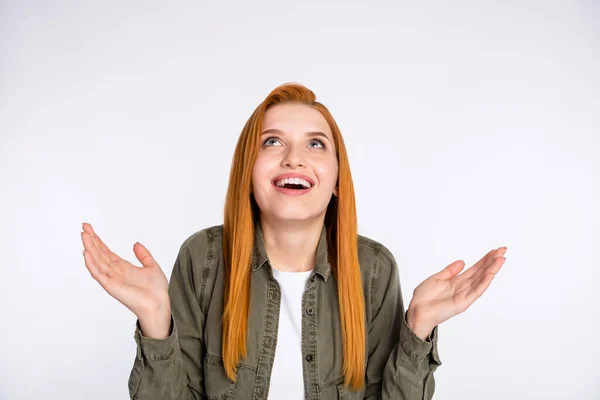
(318, 141)
(269, 138)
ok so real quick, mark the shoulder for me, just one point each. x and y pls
(199, 259)
(375, 257)
(379, 271)
(205, 237)
(203, 249)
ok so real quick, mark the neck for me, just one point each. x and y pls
(291, 246)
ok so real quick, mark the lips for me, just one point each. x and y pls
(295, 191)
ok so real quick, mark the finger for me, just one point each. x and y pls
(91, 248)
(477, 266)
(480, 287)
(142, 254)
(451, 270)
(88, 228)
(493, 266)
(117, 288)
(102, 248)
(97, 272)
(485, 260)
(480, 284)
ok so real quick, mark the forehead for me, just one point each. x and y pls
(295, 118)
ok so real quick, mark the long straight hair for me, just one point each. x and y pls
(342, 241)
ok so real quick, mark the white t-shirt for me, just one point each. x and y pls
(287, 381)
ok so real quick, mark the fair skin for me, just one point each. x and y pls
(292, 226)
(295, 139)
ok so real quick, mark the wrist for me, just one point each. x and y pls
(158, 325)
(418, 324)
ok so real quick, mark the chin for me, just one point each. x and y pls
(293, 215)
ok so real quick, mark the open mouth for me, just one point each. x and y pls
(293, 184)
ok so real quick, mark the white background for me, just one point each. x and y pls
(470, 125)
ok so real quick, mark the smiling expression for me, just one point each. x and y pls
(296, 168)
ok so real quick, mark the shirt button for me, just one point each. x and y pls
(309, 358)
(310, 311)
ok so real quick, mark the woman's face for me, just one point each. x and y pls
(295, 140)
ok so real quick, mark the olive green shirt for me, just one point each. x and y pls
(188, 363)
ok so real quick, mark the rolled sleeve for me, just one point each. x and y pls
(156, 349)
(417, 348)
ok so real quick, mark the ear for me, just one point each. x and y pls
(335, 191)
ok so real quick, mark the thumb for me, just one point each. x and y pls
(142, 254)
(451, 270)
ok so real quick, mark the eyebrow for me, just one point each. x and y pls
(311, 133)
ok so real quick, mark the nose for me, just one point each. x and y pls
(293, 158)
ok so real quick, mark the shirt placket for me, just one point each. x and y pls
(269, 342)
(309, 339)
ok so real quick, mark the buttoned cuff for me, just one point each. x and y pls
(156, 349)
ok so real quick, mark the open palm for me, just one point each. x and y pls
(446, 293)
(142, 290)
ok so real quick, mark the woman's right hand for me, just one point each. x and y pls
(145, 290)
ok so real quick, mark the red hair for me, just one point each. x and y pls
(342, 241)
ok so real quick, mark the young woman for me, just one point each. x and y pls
(285, 300)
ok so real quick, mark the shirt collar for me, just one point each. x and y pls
(259, 253)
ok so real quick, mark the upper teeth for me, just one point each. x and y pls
(295, 181)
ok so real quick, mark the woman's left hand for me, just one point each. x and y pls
(446, 293)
